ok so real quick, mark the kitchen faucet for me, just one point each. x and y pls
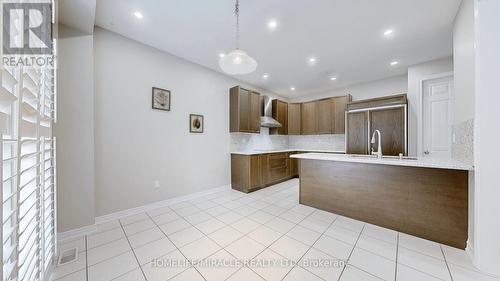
(379, 150)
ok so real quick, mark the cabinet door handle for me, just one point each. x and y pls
(426, 152)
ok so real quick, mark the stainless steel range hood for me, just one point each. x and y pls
(266, 113)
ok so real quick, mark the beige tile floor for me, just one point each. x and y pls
(265, 235)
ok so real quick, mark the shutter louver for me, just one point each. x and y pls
(27, 172)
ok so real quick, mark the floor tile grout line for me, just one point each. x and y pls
(285, 234)
(124, 274)
(397, 263)
(289, 207)
(311, 247)
(334, 238)
(350, 254)
(182, 217)
(446, 262)
(121, 227)
(423, 254)
(377, 254)
(367, 272)
(106, 259)
(178, 249)
(125, 237)
(397, 254)
(86, 260)
(380, 239)
(133, 252)
(221, 248)
(268, 247)
(108, 241)
(243, 235)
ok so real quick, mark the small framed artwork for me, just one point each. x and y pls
(195, 123)
(161, 99)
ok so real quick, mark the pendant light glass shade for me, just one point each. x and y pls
(237, 62)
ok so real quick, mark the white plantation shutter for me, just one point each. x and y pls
(27, 172)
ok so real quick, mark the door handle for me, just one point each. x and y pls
(426, 152)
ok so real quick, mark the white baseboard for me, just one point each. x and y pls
(164, 203)
(87, 230)
(77, 232)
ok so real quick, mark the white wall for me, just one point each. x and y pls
(136, 145)
(384, 87)
(487, 134)
(415, 74)
(75, 130)
(463, 63)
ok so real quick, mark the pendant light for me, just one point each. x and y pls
(237, 61)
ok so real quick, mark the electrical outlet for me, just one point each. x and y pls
(157, 184)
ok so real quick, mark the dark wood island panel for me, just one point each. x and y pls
(430, 203)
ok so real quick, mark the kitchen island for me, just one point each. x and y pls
(427, 198)
(252, 170)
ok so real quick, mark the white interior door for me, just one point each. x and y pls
(437, 113)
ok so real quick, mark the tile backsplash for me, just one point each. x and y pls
(318, 142)
(463, 145)
(264, 141)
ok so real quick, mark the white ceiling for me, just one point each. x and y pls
(78, 14)
(346, 36)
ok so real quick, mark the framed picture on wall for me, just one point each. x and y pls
(161, 99)
(195, 123)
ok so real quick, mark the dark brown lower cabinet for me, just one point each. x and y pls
(253, 172)
(294, 165)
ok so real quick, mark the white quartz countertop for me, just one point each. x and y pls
(254, 152)
(420, 162)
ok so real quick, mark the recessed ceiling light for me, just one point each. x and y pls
(388, 32)
(272, 24)
(138, 15)
(221, 55)
(312, 60)
(393, 63)
(333, 78)
(265, 76)
(292, 88)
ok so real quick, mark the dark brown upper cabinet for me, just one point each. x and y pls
(255, 112)
(280, 114)
(309, 118)
(325, 116)
(294, 119)
(340, 107)
(244, 110)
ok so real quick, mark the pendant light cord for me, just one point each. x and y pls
(237, 13)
